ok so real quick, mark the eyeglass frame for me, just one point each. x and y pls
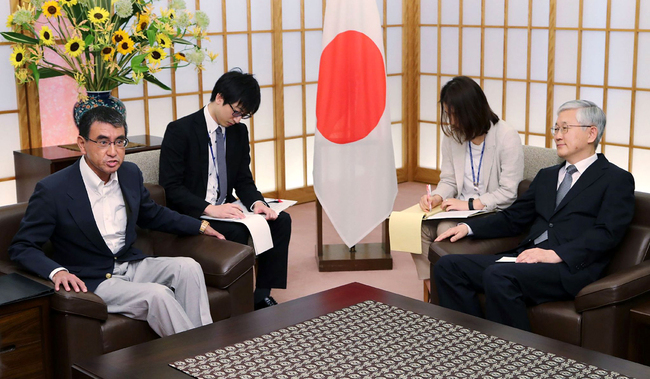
(236, 114)
(105, 143)
(565, 128)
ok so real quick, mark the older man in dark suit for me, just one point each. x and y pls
(89, 212)
(577, 213)
(205, 156)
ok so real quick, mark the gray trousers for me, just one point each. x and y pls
(430, 230)
(168, 292)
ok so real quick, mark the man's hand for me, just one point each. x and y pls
(456, 233)
(260, 208)
(537, 255)
(68, 281)
(213, 233)
(429, 202)
(227, 210)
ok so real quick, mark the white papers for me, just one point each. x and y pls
(456, 214)
(256, 224)
(507, 260)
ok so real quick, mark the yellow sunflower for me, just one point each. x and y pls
(47, 38)
(69, 2)
(180, 57)
(169, 13)
(51, 8)
(164, 41)
(98, 15)
(125, 46)
(10, 20)
(119, 36)
(143, 22)
(18, 56)
(108, 52)
(155, 55)
(75, 47)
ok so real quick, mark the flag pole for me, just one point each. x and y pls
(360, 257)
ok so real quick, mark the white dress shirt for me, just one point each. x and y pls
(107, 204)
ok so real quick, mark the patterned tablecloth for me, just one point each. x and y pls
(375, 340)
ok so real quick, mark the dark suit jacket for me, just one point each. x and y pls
(589, 222)
(59, 210)
(184, 165)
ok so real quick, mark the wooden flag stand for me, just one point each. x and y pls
(361, 257)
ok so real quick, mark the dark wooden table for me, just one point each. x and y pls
(32, 165)
(151, 359)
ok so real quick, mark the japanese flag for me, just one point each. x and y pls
(354, 166)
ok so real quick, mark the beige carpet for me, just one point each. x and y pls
(304, 277)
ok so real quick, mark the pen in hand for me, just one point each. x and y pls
(429, 196)
(275, 201)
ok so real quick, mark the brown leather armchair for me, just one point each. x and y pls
(598, 318)
(80, 324)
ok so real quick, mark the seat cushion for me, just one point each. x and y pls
(558, 320)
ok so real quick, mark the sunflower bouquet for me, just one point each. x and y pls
(104, 43)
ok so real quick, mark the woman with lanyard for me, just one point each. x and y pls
(482, 162)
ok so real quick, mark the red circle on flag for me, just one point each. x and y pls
(351, 88)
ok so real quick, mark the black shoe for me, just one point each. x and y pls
(265, 303)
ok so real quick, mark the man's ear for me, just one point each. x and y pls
(81, 142)
(593, 134)
(218, 99)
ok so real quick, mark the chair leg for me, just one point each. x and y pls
(426, 292)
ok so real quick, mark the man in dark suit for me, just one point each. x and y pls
(205, 155)
(89, 212)
(577, 213)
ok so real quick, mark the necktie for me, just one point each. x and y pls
(221, 166)
(565, 186)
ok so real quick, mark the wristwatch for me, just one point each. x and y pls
(470, 203)
(204, 225)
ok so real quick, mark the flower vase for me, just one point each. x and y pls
(97, 99)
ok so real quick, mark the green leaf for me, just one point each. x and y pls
(45, 73)
(89, 40)
(136, 64)
(151, 35)
(150, 78)
(32, 66)
(123, 80)
(181, 41)
(19, 38)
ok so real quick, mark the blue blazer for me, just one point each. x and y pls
(587, 225)
(59, 211)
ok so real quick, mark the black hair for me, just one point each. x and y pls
(101, 114)
(462, 101)
(236, 86)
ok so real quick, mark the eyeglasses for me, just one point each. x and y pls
(565, 128)
(236, 114)
(119, 143)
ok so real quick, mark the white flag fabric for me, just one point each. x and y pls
(354, 165)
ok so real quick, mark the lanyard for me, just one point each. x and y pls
(475, 179)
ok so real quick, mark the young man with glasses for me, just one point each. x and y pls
(576, 213)
(89, 212)
(205, 156)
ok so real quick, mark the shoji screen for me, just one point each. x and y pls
(9, 116)
(501, 44)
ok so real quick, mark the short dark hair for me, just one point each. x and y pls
(463, 101)
(236, 86)
(101, 114)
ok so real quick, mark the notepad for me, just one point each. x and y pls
(256, 224)
(506, 260)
